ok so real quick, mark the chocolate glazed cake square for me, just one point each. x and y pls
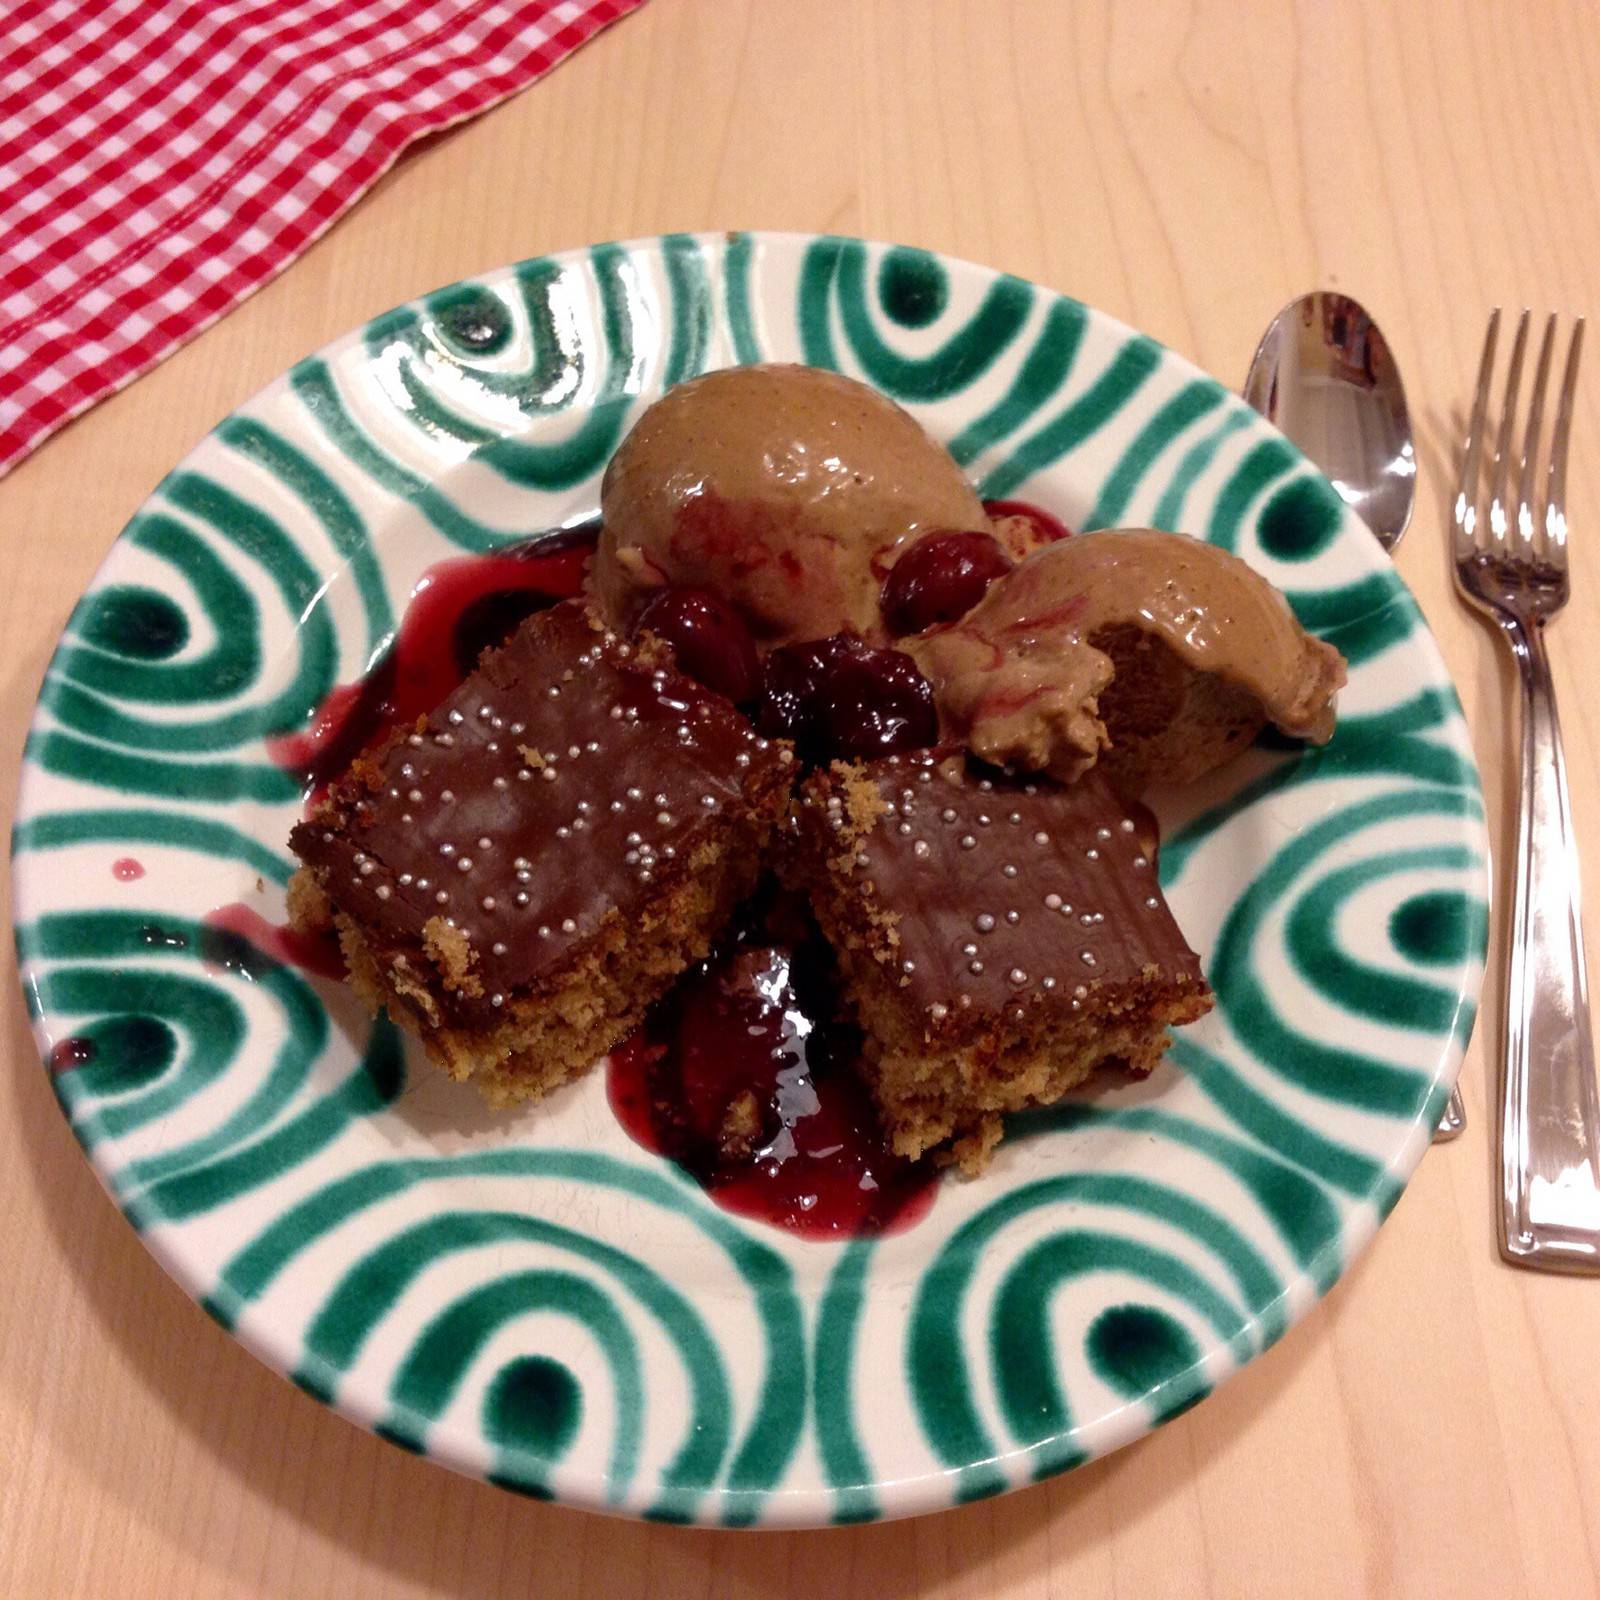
(518, 877)
(998, 938)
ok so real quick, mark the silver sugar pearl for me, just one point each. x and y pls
(984, 922)
(1052, 902)
(968, 842)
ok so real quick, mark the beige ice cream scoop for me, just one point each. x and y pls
(787, 490)
(1156, 655)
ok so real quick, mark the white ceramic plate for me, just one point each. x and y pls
(533, 1297)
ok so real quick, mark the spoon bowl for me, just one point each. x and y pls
(1323, 374)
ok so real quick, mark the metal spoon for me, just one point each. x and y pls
(1324, 376)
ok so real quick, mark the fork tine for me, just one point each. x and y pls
(1527, 469)
(1466, 511)
(1555, 499)
(1498, 520)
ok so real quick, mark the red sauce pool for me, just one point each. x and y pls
(754, 1029)
(458, 609)
(73, 1052)
(316, 954)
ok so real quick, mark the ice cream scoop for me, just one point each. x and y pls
(1155, 654)
(786, 490)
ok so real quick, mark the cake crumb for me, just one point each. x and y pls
(310, 909)
(453, 955)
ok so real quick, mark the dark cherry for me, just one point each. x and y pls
(731, 1042)
(708, 637)
(940, 579)
(840, 697)
(750, 1042)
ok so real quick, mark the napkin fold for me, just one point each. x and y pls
(161, 159)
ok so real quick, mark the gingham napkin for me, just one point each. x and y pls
(161, 159)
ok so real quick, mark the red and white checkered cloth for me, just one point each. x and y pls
(161, 159)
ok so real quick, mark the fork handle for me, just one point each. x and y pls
(1550, 1117)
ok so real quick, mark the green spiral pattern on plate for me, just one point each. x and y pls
(534, 1299)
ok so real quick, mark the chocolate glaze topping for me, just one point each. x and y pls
(1002, 892)
(568, 779)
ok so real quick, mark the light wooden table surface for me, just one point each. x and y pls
(1433, 1428)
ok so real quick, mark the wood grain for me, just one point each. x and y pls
(1434, 1427)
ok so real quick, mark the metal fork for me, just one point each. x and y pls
(1514, 567)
